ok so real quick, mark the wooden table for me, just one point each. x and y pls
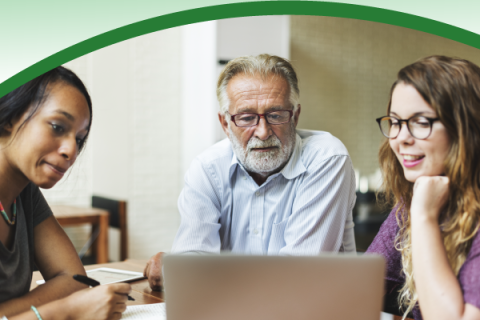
(69, 216)
(141, 291)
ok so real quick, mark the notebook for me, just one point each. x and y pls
(154, 311)
(219, 287)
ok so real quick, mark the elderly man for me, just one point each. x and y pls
(267, 189)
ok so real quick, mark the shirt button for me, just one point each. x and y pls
(244, 177)
(257, 193)
(255, 231)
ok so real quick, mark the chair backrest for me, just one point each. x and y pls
(118, 219)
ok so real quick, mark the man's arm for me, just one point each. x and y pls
(322, 209)
(199, 205)
(200, 208)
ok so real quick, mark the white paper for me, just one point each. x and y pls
(109, 275)
(155, 311)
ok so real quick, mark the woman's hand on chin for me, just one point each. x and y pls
(429, 196)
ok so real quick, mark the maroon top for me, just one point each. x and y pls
(468, 277)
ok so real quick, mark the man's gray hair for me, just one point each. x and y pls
(263, 65)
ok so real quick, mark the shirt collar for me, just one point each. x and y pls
(294, 166)
(233, 164)
(292, 169)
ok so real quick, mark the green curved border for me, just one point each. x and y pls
(235, 10)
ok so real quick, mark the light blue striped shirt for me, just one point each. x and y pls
(304, 209)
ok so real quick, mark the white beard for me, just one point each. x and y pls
(263, 163)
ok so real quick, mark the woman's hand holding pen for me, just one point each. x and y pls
(105, 302)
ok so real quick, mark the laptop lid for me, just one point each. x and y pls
(220, 287)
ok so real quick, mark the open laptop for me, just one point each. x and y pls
(229, 287)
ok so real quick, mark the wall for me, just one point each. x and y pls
(253, 35)
(346, 68)
(155, 142)
(199, 102)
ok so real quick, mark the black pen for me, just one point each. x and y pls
(91, 282)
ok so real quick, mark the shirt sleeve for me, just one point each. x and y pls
(41, 210)
(200, 206)
(469, 275)
(322, 209)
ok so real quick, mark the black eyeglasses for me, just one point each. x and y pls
(252, 119)
(420, 127)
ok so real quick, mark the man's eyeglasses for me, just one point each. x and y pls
(420, 127)
(252, 119)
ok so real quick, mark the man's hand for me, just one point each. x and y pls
(153, 271)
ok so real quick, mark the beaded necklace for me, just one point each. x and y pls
(14, 215)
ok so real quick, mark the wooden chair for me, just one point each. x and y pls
(118, 219)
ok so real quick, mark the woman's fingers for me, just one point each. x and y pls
(429, 196)
(119, 307)
(100, 303)
(121, 288)
(115, 316)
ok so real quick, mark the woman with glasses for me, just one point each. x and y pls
(43, 126)
(431, 170)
